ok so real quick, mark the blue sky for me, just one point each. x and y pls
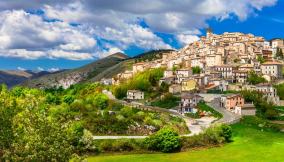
(54, 35)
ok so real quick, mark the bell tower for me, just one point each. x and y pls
(209, 32)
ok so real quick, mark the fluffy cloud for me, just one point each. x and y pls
(114, 24)
(28, 36)
(167, 16)
(187, 39)
(53, 70)
(21, 69)
(40, 69)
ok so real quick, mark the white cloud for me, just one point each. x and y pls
(53, 54)
(186, 39)
(117, 21)
(28, 36)
(109, 51)
(21, 69)
(40, 69)
(53, 70)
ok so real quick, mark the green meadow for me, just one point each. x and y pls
(249, 144)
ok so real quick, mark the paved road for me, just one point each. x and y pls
(195, 126)
(228, 117)
(202, 123)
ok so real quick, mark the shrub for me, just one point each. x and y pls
(121, 145)
(165, 140)
(213, 135)
(226, 132)
(196, 70)
(256, 122)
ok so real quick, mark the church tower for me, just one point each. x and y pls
(209, 32)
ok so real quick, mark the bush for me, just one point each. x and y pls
(259, 123)
(196, 70)
(121, 145)
(226, 132)
(212, 136)
(254, 78)
(165, 140)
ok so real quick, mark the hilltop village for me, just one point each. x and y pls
(216, 63)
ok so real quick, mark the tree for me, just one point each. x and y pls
(226, 132)
(53, 99)
(264, 108)
(254, 78)
(279, 53)
(164, 87)
(68, 99)
(101, 101)
(120, 92)
(196, 70)
(165, 140)
(260, 59)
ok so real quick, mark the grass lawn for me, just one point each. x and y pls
(204, 107)
(249, 145)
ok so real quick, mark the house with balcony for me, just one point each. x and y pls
(189, 102)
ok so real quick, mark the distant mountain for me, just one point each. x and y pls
(82, 74)
(15, 77)
(104, 68)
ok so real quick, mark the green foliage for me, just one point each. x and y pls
(68, 99)
(151, 55)
(164, 87)
(203, 107)
(165, 140)
(264, 108)
(120, 91)
(100, 101)
(237, 60)
(167, 101)
(52, 99)
(214, 135)
(259, 123)
(280, 90)
(193, 115)
(196, 70)
(254, 78)
(144, 81)
(260, 59)
(120, 145)
(279, 53)
(226, 132)
(53, 124)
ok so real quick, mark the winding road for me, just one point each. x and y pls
(195, 126)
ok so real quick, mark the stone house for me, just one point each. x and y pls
(240, 76)
(106, 81)
(168, 73)
(189, 102)
(268, 91)
(175, 88)
(184, 72)
(225, 70)
(272, 68)
(135, 95)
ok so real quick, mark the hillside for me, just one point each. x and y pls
(127, 64)
(15, 77)
(103, 68)
(84, 73)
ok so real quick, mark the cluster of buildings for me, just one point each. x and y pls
(225, 62)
